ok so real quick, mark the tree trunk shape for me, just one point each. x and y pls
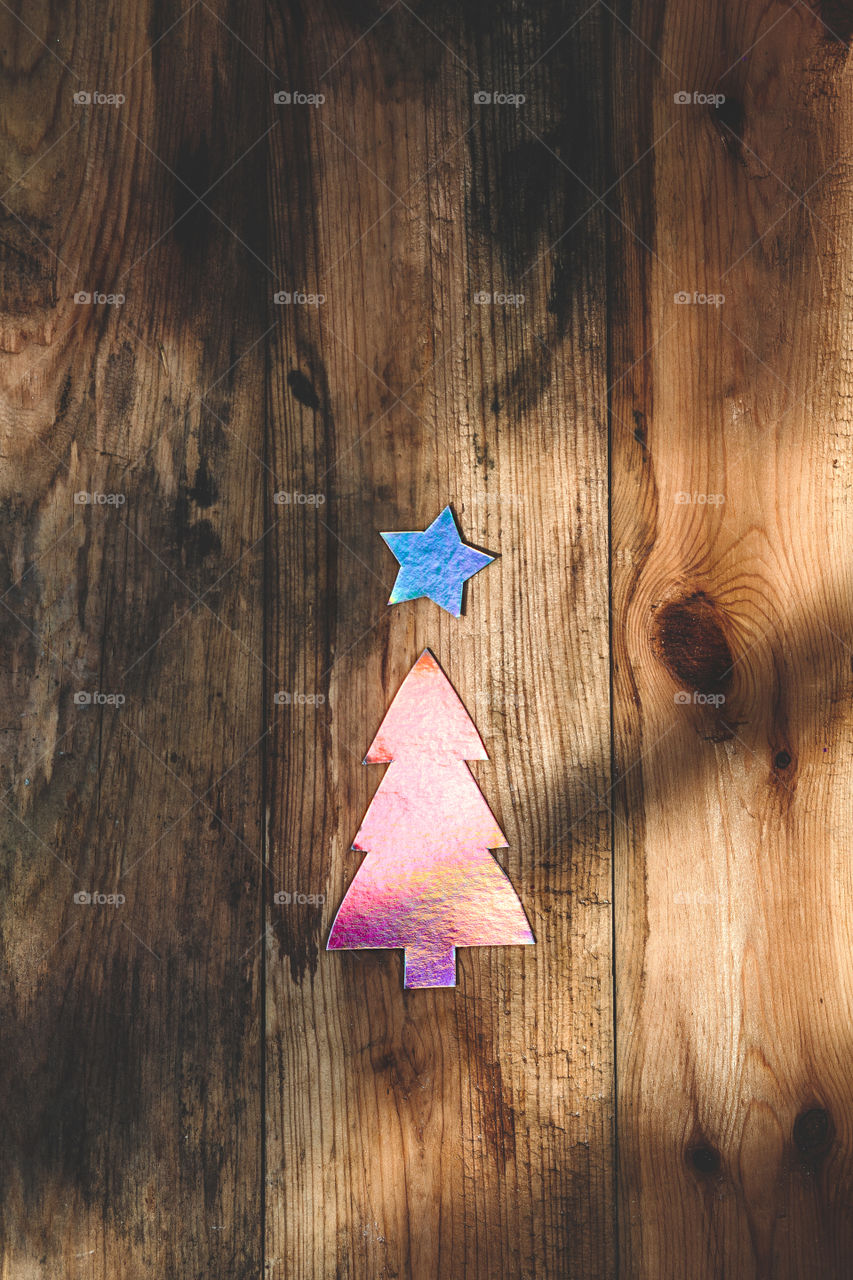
(430, 966)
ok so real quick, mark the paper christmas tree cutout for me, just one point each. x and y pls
(428, 882)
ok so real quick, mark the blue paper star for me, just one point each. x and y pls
(434, 563)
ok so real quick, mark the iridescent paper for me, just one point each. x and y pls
(428, 882)
(435, 563)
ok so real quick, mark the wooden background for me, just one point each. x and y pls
(190, 1086)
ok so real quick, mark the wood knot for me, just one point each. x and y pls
(690, 641)
(728, 117)
(813, 1131)
(704, 1159)
(781, 760)
(640, 432)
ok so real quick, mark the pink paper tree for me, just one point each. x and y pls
(428, 882)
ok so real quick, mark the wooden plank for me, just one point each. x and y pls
(733, 904)
(469, 1132)
(130, 1071)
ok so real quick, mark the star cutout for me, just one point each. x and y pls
(434, 563)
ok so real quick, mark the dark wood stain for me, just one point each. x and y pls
(204, 491)
(303, 389)
(837, 19)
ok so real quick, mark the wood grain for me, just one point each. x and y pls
(131, 1038)
(463, 1132)
(733, 903)
(190, 1085)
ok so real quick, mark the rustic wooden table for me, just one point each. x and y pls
(276, 277)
